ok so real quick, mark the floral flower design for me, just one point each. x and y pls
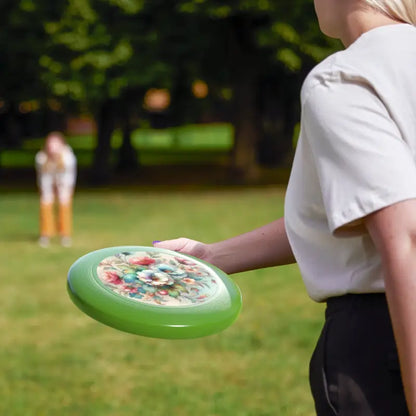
(113, 278)
(155, 278)
(143, 261)
(159, 279)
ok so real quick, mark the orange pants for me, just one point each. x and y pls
(48, 224)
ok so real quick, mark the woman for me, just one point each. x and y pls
(56, 174)
(350, 211)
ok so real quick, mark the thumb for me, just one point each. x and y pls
(176, 244)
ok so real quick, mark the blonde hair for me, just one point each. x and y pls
(402, 10)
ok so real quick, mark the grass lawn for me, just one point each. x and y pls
(54, 360)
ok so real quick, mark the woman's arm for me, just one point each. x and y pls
(393, 230)
(263, 247)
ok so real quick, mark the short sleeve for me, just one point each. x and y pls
(69, 159)
(363, 162)
(40, 160)
(67, 177)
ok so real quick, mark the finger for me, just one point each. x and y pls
(176, 244)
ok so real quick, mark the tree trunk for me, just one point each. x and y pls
(246, 115)
(102, 168)
(127, 156)
(13, 128)
(280, 114)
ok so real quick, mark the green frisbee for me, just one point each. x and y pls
(153, 292)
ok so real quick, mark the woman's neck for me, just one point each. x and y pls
(360, 21)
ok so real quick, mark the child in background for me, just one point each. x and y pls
(56, 175)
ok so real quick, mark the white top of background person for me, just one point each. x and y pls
(56, 176)
(351, 207)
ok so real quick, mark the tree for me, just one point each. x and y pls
(263, 39)
(102, 55)
(22, 41)
(99, 52)
(107, 53)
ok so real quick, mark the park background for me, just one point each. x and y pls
(184, 117)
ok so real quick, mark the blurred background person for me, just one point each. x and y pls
(56, 167)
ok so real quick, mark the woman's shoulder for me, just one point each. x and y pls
(324, 73)
(345, 65)
(371, 59)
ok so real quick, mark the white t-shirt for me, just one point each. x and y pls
(356, 154)
(56, 177)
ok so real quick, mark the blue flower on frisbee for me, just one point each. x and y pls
(172, 271)
(129, 277)
(155, 278)
(163, 267)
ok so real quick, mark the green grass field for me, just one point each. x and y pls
(54, 360)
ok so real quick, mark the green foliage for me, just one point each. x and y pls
(129, 6)
(289, 58)
(100, 48)
(21, 42)
(91, 50)
(101, 56)
(289, 33)
(218, 9)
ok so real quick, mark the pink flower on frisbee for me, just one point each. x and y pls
(142, 261)
(113, 277)
(185, 261)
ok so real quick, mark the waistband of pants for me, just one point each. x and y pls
(362, 300)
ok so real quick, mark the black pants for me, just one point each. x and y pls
(354, 370)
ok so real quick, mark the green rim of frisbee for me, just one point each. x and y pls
(90, 295)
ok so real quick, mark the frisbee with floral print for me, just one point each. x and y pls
(154, 292)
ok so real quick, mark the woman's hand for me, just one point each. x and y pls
(266, 246)
(187, 246)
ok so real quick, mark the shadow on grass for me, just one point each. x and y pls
(19, 237)
(158, 178)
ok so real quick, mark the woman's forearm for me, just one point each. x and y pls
(393, 230)
(400, 281)
(263, 247)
